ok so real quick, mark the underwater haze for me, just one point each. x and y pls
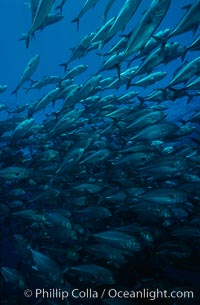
(100, 152)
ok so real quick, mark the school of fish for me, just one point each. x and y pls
(105, 191)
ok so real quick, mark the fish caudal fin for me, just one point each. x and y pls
(14, 92)
(64, 65)
(77, 21)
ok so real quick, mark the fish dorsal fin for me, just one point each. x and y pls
(186, 7)
(174, 90)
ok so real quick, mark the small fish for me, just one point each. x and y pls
(64, 123)
(47, 266)
(34, 5)
(50, 97)
(154, 42)
(113, 62)
(150, 79)
(186, 71)
(39, 84)
(113, 256)
(51, 19)
(28, 72)
(87, 6)
(93, 214)
(102, 34)
(15, 173)
(56, 218)
(193, 84)
(88, 187)
(147, 25)
(147, 120)
(158, 56)
(13, 277)
(3, 107)
(190, 20)
(81, 49)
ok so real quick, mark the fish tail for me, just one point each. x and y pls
(77, 20)
(128, 85)
(184, 54)
(64, 65)
(59, 7)
(190, 97)
(101, 44)
(30, 112)
(141, 99)
(14, 92)
(101, 55)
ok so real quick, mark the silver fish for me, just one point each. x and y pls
(43, 9)
(190, 20)
(15, 173)
(126, 13)
(28, 72)
(147, 25)
(87, 6)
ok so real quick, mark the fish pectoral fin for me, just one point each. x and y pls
(77, 21)
(64, 65)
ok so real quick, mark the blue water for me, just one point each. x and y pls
(54, 43)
